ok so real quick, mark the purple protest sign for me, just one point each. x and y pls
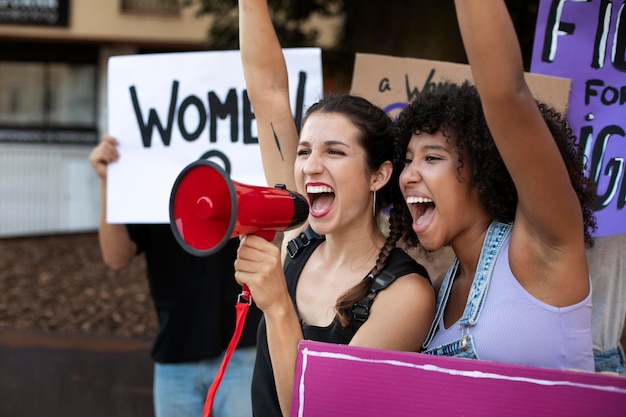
(585, 40)
(347, 381)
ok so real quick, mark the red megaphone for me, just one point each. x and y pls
(207, 209)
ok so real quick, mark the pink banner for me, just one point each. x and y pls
(339, 380)
(586, 42)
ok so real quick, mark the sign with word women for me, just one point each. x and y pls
(168, 110)
(585, 41)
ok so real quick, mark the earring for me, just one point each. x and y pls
(374, 205)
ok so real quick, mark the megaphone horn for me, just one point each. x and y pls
(207, 208)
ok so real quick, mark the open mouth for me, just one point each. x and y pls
(421, 208)
(321, 199)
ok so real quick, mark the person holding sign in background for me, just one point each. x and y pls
(497, 176)
(585, 42)
(607, 263)
(194, 298)
(343, 280)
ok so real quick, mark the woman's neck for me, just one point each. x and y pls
(356, 247)
(468, 245)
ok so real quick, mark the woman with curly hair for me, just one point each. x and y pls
(497, 176)
(339, 278)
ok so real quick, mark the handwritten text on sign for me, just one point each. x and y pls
(168, 110)
(586, 41)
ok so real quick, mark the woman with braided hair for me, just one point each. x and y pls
(339, 279)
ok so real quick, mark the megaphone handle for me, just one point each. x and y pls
(245, 295)
(267, 234)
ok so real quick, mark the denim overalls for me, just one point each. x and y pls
(464, 347)
(611, 360)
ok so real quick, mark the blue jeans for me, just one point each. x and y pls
(180, 389)
(611, 360)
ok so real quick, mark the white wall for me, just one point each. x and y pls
(47, 189)
(103, 21)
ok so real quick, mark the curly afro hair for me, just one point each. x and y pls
(455, 110)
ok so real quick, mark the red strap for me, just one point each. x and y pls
(242, 307)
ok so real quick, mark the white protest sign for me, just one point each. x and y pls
(169, 110)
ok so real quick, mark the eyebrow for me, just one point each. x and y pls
(326, 143)
(436, 147)
(431, 147)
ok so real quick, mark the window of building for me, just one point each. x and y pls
(47, 94)
(160, 7)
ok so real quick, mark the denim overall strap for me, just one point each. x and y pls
(496, 235)
(442, 300)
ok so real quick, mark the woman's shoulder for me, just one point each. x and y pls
(401, 263)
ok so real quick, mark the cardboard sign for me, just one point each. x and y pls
(169, 110)
(339, 380)
(586, 42)
(392, 82)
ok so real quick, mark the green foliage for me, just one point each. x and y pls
(422, 29)
(425, 29)
(288, 17)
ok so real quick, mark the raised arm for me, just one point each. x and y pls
(116, 246)
(548, 224)
(258, 264)
(267, 83)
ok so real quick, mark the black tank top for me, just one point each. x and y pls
(264, 397)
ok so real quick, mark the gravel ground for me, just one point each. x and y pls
(59, 283)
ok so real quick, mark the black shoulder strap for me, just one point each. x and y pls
(299, 249)
(302, 240)
(399, 267)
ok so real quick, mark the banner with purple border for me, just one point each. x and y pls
(585, 40)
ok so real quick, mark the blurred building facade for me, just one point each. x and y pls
(53, 71)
